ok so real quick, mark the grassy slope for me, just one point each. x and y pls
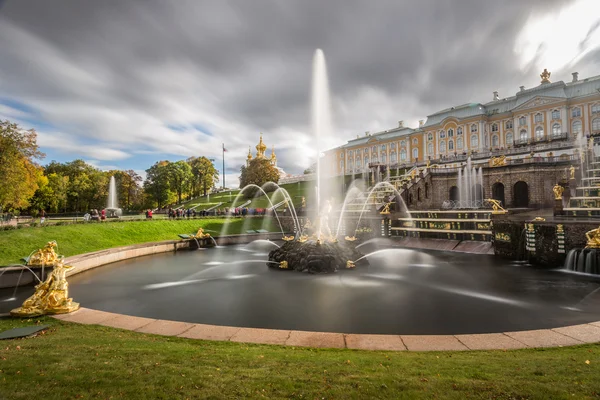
(83, 361)
(82, 238)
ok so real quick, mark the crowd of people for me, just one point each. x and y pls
(179, 213)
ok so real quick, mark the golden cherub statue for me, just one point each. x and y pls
(50, 296)
(593, 239)
(386, 209)
(283, 265)
(288, 238)
(350, 264)
(558, 191)
(303, 201)
(45, 256)
(572, 172)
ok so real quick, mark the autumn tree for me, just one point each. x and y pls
(259, 171)
(129, 190)
(204, 175)
(19, 172)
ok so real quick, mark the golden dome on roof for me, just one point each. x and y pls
(273, 156)
(261, 148)
(249, 154)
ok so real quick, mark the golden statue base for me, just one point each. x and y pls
(283, 265)
(350, 264)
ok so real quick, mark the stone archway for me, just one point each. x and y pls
(521, 195)
(498, 192)
(453, 194)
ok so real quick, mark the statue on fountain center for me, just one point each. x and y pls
(558, 191)
(593, 239)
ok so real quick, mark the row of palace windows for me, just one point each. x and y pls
(523, 136)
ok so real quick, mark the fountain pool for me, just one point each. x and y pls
(427, 293)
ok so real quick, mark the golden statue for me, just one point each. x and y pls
(545, 75)
(45, 256)
(558, 191)
(288, 238)
(303, 238)
(350, 238)
(539, 219)
(593, 239)
(200, 234)
(498, 161)
(496, 207)
(303, 201)
(283, 265)
(386, 209)
(572, 172)
(350, 264)
(50, 297)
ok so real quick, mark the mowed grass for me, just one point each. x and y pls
(73, 361)
(82, 238)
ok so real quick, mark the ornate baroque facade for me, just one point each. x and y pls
(552, 111)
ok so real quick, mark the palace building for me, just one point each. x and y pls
(551, 112)
(523, 144)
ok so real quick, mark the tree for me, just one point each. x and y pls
(157, 185)
(129, 191)
(258, 172)
(205, 175)
(180, 178)
(19, 172)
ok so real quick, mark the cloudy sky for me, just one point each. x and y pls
(125, 83)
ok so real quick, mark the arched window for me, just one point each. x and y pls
(358, 163)
(555, 114)
(374, 149)
(596, 125)
(556, 130)
(450, 145)
(539, 133)
(442, 146)
(403, 155)
(415, 141)
(509, 139)
(383, 158)
(509, 124)
(375, 159)
(486, 140)
(459, 131)
(393, 157)
(494, 127)
(341, 164)
(350, 163)
(576, 127)
(523, 135)
(366, 160)
(474, 128)
(415, 153)
(366, 151)
(576, 112)
(450, 132)
(495, 141)
(522, 121)
(459, 143)
(596, 109)
(393, 146)
(442, 134)
(474, 141)
(383, 147)
(430, 149)
(430, 136)
(539, 117)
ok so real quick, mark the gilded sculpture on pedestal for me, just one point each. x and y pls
(572, 172)
(496, 206)
(46, 256)
(545, 75)
(200, 234)
(50, 297)
(558, 191)
(386, 208)
(498, 161)
(593, 239)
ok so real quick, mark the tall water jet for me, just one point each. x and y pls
(112, 207)
(321, 125)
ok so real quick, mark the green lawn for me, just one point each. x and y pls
(81, 238)
(73, 361)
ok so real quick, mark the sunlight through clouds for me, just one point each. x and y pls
(559, 39)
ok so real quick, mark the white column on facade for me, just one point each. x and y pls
(500, 133)
(548, 122)
(586, 125)
(564, 119)
(481, 135)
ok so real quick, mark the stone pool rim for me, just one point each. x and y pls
(556, 337)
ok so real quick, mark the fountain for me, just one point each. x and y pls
(470, 187)
(112, 208)
(317, 249)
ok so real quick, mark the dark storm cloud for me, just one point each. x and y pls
(127, 70)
